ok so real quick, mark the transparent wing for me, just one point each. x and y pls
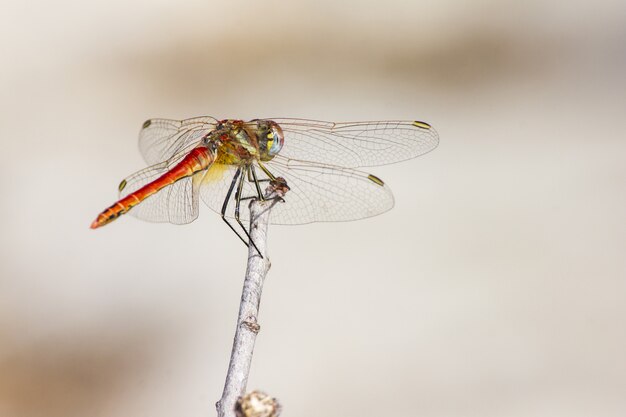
(319, 192)
(176, 203)
(323, 193)
(356, 144)
(214, 187)
(316, 160)
(160, 139)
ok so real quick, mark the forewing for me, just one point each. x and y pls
(160, 139)
(356, 144)
(176, 203)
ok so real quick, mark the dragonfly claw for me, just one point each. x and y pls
(279, 187)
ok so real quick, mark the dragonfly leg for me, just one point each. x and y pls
(225, 205)
(251, 180)
(238, 199)
(256, 183)
(270, 176)
(272, 179)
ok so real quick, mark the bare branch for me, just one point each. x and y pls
(247, 322)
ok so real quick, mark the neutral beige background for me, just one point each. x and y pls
(496, 287)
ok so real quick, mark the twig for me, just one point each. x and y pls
(247, 323)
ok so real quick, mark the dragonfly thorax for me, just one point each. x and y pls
(236, 145)
(241, 142)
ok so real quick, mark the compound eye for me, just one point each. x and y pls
(275, 140)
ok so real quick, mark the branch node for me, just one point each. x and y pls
(251, 324)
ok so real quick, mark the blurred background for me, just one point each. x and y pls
(496, 286)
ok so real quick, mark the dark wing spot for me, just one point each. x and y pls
(146, 124)
(122, 185)
(375, 180)
(421, 125)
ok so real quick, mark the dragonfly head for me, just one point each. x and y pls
(270, 138)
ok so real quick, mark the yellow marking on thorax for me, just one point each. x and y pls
(230, 154)
(215, 173)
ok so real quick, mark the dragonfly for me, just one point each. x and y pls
(224, 162)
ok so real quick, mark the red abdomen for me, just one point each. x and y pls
(197, 160)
